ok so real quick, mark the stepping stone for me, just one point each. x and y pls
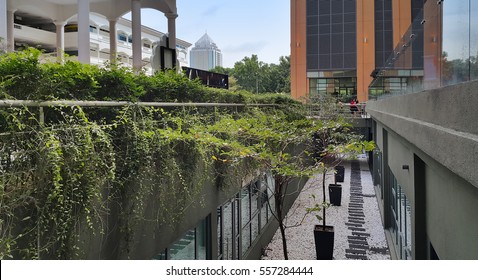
(356, 229)
(358, 242)
(356, 205)
(356, 215)
(356, 257)
(354, 224)
(358, 247)
(359, 252)
(356, 221)
(357, 218)
(360, 238)
(361, 234)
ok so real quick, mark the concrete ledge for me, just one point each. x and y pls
(443, 123)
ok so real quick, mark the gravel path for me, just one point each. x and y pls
(358, 227)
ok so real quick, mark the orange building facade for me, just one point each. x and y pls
(337, 45)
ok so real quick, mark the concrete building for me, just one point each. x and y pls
(337, 45)
(427, 136)
(83, 28)
(205, 54)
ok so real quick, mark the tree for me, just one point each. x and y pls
(248, 73)
(222, 70)
(335, 141)
(280, 75)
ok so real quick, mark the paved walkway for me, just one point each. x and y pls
(359, 232)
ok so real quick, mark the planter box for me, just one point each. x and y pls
(339, 173)
(324, 242)
(335, 194)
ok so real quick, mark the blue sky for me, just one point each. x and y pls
(239, 27)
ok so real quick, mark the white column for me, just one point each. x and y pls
(60, 39)
(3, 23)
(172, 30)
(10, 31)
(84, 31)
(136, 28)
(113, 40)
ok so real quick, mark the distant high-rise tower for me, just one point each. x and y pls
(205, 54)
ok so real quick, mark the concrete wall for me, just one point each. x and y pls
(146, 237)
(434, 133)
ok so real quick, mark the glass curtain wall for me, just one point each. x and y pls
(331, 47)
(242, 219)
(402, 70)
(460, 41)
(442, 46)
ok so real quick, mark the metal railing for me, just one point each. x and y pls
(110, 104)
(346, 110)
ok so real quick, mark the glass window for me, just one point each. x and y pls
(122, 37)
(337, 43)
(194, 244)
(337, 19)
(228, 238)
(338, 28)
(456, 41)
(324, 6)
(349, 6)
(400, 216)
(474, 40)
(324, 29)
(245, 206)
(324, 61)
(184, 249)
(324, 19)
(201, 241)
(324, 44)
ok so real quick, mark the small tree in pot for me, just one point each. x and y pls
(335, 142)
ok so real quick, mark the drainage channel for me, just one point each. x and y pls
(357, 241)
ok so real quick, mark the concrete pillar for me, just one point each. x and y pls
(60, 39)
(84, 31)
(3, 23)
(10, 31)
(113, 40)
(136, 28)
(172, 30)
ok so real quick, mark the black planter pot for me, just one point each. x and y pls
(339, 173)
(335, 194)
(324, 242)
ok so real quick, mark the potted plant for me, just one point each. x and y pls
(323, 234)
(339, 174)
(335, 190)
(336, 142)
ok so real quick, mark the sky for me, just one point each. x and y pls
(239, 28)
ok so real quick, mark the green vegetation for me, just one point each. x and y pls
(258, 77)
(87, 174)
